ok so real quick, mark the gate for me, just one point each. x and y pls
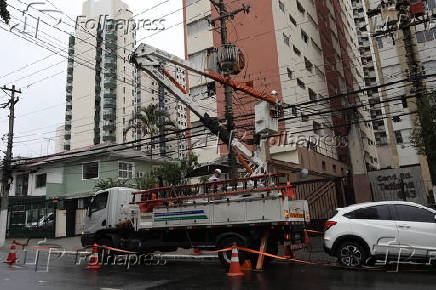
(31, 218)
(323, 196)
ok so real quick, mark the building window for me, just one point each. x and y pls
(308, 64)
(300, 8)
(125, 170)
(90, 170)
(301, 84)
(21, 186)
(304, 36)
(316, 127)
(281, 6)
(297, 51)
(399, 137)
(324, 166)
(286, 39)
(290, 73)
(312, 94)
(41, 180)
(292, 19)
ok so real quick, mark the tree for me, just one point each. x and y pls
(171, 174)
(146, 182)
(423, 136)
(4, 13)
(110, 182)
(151, 121)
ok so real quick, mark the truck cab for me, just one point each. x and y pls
(109, 209)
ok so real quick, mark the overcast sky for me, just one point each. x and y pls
(41, 74)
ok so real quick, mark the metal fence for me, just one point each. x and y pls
(323, 196)
(31, 218)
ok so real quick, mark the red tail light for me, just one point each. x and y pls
(328, 225)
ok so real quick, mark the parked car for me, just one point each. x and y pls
(360, 233)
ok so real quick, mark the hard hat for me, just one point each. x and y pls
(218, 171)
(274, 93)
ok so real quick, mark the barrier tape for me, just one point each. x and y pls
(239, 248)
(314, 232)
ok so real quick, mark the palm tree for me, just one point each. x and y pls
(151, 121)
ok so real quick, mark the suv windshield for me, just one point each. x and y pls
(99, 202)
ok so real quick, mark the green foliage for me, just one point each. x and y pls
(145, 183)
(110, 182)
(423, 136)
(4, 13)
(151, 120)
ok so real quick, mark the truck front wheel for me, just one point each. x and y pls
(226, 257)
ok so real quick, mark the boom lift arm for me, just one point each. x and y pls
(153, 62)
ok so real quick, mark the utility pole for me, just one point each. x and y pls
(224, 16)
(6, 176)
(409, 15)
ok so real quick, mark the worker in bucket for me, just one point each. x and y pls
(216, 175)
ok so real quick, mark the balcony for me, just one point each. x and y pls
(69, 107)
(109, 116)
(109, 106)
(67, 147)
(71, 41)
(69, 88)
(67, 136)
(111, 55)
(109, 139)
(111, 36)
(110, 75)
(69, 79)
(110, 96)
(71, 52)
(110, 65)
(110, 84)
(67, 127)
(111, 45)
(69, 98)
(110, 127)
(70, 69)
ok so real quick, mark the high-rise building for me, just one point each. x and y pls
(105, 91)
(382, 127)
(392, 65)
(308, 52)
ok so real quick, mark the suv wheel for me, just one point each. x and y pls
(351, 254)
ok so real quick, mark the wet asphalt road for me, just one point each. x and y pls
(64, 275)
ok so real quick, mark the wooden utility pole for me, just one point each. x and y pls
(6, 168)
(224, 16)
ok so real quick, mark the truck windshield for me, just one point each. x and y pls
(99, 202)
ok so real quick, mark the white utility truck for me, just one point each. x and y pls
(256, 210)
(241, 212)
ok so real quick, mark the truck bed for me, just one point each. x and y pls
(227, 212)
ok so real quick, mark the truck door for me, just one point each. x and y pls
(97, 214)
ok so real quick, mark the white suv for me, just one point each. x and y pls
(381, 229)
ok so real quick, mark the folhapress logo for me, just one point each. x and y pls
(104, 22)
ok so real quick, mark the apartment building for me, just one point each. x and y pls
(386, 147)
(307, 51)
(104, 91)
(392, 66)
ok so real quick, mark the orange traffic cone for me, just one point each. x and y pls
(288, 253)
(246, 266)
(12, 255)
(93, 263)
(196, 251)
(235, 267)
(306, 237)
